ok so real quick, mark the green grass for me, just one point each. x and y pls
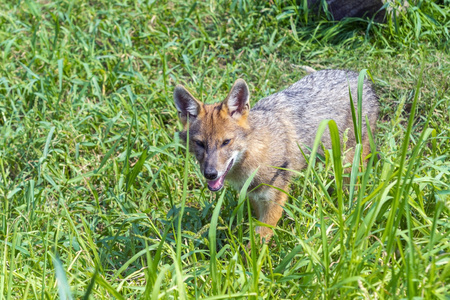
(98, 198)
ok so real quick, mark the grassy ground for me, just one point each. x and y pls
(93, 180)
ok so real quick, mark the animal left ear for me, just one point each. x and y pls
(237, 101)
(186, 104)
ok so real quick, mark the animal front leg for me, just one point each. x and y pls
(269, 212)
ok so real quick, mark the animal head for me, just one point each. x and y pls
(216, 131)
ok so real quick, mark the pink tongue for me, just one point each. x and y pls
(216, 184)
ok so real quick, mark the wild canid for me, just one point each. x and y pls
(230, 140)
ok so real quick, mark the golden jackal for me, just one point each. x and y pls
(230, 140)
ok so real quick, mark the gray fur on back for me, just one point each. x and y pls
(316, 97)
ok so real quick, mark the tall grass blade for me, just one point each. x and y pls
(238, 212)
(393, 214)
(63, 285)
(91, 285)
(215, 276)
(136, 169)
(361, 77)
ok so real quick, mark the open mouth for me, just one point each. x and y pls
(215, 185)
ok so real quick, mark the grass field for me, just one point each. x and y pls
(98, 200)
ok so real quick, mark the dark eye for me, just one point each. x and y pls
(226, 142)
(200, 144)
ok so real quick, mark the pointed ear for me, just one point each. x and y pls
(186, 104)
(237, 101)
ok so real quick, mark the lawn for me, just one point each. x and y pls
(99, 199)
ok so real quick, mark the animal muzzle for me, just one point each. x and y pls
(216, 182)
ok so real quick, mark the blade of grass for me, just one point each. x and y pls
(215, 276)
(90, 286)
(393, 214)
(63, 285)
(239, 210)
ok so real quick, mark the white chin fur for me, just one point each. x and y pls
(233, 157)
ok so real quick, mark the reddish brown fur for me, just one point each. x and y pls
(214, 124)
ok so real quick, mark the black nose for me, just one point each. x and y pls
(210, 173)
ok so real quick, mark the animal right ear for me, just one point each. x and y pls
(186, 104)
(237, 101)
